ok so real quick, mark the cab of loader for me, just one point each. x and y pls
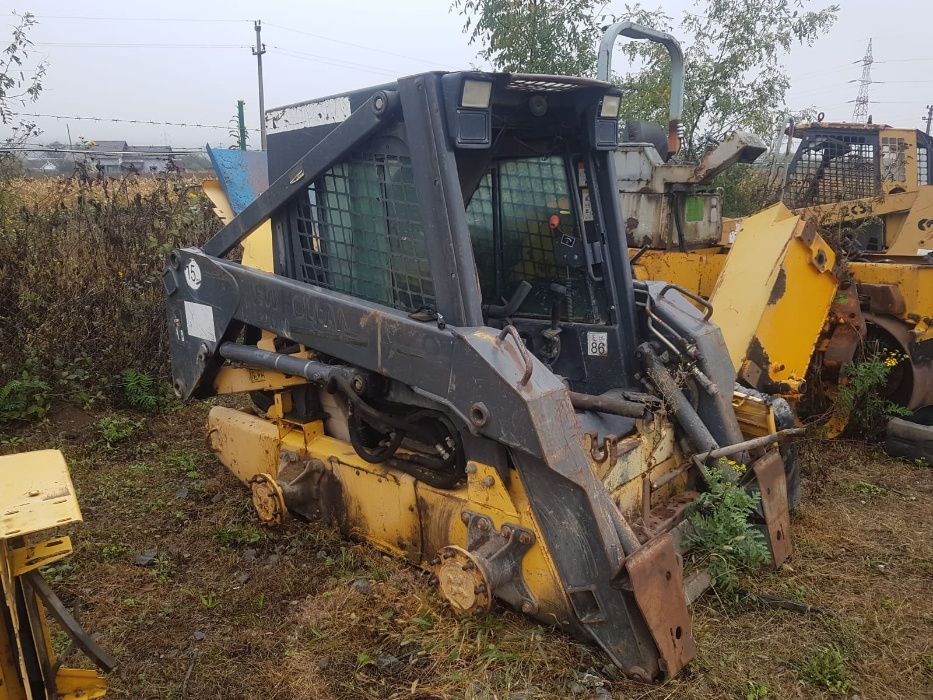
(531, 251)
(457, 365)
(870, 177)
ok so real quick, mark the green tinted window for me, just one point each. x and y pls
(359, 232)
(509, 217)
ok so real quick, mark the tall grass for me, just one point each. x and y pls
(81, 297)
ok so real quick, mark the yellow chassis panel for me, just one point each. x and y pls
(389, 509)
(36, 493)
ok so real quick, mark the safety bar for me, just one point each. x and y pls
(637, 31)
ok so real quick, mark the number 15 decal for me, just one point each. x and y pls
(597, 344)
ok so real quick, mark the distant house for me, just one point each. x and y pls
(109, 158)
(103, 156)
(147, 160)
(46, 162)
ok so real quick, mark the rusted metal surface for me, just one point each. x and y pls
(883, 299)
(848, 330)
(773, 485)
(268, 500)
(658, 584)
(665, 516)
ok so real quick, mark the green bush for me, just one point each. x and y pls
(723, 539)
(860, 400)
(24, 398)
(80, 278)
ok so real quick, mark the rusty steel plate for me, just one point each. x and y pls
(658, 584)
(773, 485)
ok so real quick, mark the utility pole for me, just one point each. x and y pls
(241, 124)
(258, 51)
(860, 115)
(929, 117)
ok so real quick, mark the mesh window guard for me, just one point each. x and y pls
(524, 194)
(359, 232)
(893, 159)
(832, 168)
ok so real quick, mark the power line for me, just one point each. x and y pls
(350, 43)
(49, 149)
(122, 121)
(886, 82)
(92, 45)
(140, 19)
(229, 20)
(314, 58)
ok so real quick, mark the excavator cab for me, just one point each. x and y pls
(871, 179)
(452, 362)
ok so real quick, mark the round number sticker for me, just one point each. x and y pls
(193, 274)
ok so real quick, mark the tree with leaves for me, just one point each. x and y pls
(734, 76)
(20, 82)
(555, 37)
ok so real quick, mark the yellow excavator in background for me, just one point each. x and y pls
(800, 286)
(36, 498)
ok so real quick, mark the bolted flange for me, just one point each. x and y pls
(462, 581)
(489, 566)
(268, 499)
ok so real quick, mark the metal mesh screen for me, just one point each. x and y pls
(832, 168)
(923, 166)
(359, 231)
(893, 159)
(521, 196)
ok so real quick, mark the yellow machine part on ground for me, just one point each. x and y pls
(36, 496)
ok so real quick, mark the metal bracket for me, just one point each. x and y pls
(658, 586)
(772, 482)
(25, 559)
(499, 555)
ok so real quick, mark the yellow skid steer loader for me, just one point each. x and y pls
(450, 360)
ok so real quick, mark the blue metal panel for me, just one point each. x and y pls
(243, 175)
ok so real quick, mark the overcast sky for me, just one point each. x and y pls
(196, 66)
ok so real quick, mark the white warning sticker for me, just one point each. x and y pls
(200, 321)
(597, 344)
(587, 204)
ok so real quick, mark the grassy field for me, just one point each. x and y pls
(223, 608)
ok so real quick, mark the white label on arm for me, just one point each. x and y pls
(597, 344)
(200, 321)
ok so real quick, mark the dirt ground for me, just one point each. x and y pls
(223, 608)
